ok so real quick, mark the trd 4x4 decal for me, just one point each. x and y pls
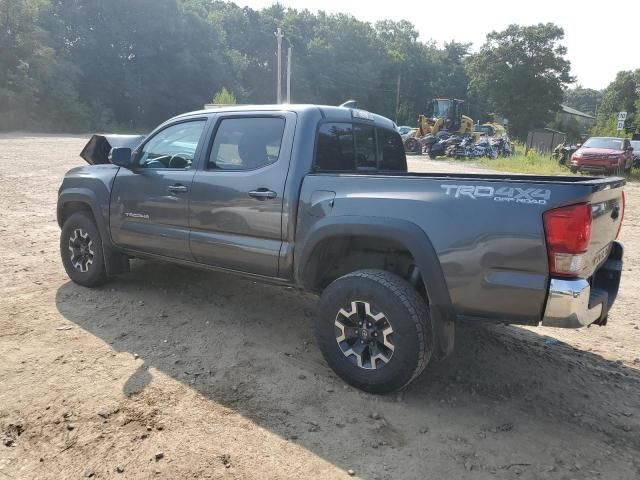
(536, 196)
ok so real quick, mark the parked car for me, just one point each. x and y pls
(635, 144)
(320, 198)
(603, 155)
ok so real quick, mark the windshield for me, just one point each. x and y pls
(636, 146)
(610, 143)
(441, 108)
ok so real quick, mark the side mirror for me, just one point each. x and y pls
(121, 157)
(578, 145)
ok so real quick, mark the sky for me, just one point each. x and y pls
(600, 40)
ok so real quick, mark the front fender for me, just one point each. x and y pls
(98, 203)
(88, 197)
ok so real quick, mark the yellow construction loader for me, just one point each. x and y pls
(446, 116)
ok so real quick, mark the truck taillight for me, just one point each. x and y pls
(568, 232)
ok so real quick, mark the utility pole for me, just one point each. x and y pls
(279, 36)
(289, 75)
(398, 98)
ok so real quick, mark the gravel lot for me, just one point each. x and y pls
(173, 373)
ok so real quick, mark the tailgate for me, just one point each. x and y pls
(607, 208)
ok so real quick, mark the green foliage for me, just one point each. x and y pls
(224, 97)
(584, 99)
(37, 88)
(128, 65)
(576, 132)
(532, 162)
(623, 94)
(521, 72)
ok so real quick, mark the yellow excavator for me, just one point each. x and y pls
(446, 115)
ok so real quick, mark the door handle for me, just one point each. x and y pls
(177, 188)
(262, 194)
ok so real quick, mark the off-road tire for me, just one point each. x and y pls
(406, 312)
(81, 223)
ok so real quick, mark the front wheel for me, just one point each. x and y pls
(373, 330)
(81, 250)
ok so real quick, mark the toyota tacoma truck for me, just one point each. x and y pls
(320, 198)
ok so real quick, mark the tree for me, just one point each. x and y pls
(584, 99)
(37, 87)
(521, 72)
(621, 95)
(128, 65)
(224, 97)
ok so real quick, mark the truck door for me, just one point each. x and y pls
(237, 193)
(149, 203)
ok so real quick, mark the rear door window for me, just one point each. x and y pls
(246, 143)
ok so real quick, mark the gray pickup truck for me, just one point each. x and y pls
(320, 198)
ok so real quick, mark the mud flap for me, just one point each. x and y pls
(444, 331)
(114, 261)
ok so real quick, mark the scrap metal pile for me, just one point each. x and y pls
(460, 146)
(447, 132)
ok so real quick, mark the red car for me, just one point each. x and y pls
(603, 155)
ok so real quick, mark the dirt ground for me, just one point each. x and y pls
(173, 373)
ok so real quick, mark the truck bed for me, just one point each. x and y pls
(487, 230)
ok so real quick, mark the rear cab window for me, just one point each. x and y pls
(355, 147)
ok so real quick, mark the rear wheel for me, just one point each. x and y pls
(374, 330)
(81, 250)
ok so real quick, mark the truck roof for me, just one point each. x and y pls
(328, 112)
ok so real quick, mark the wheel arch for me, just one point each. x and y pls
(401, 232)
(75, 200)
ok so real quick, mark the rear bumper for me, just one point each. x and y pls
(575, 303)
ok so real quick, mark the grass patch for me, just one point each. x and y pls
(539, 164)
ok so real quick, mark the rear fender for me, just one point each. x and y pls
(414, 240)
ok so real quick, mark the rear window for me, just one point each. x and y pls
(365, 137)
(334, 149)
(391, 155)
(347, 147)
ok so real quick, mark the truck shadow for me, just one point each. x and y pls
(250, 348)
